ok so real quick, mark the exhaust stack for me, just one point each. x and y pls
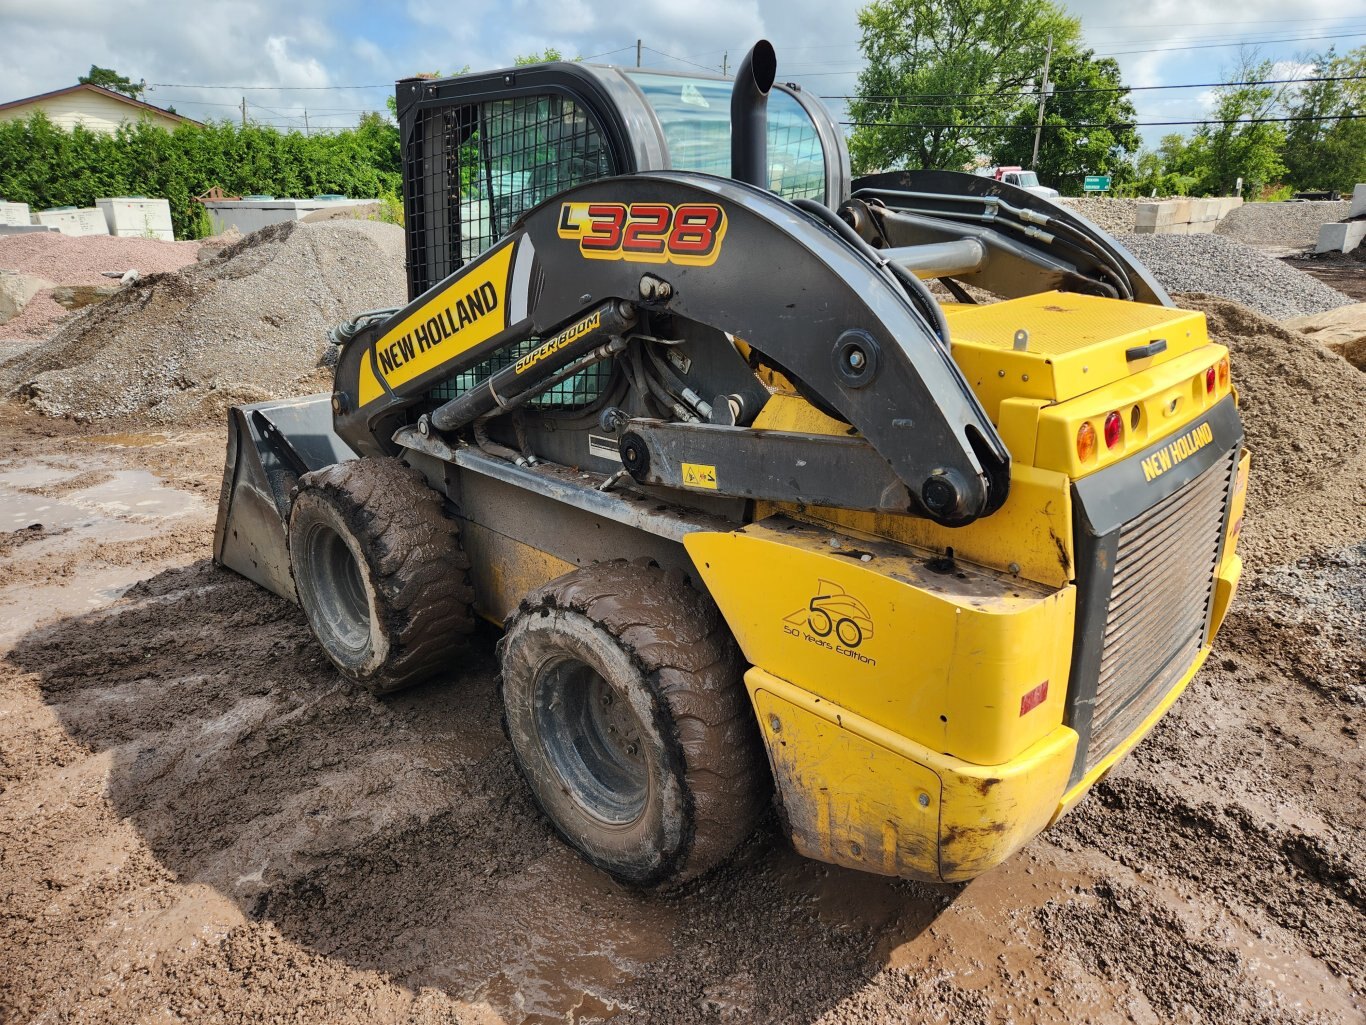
(749, 115)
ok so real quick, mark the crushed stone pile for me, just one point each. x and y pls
(79, 260)
(246, 326)
(1301, 406)
(1117, 216)
(1281, 225)
(1225, 267)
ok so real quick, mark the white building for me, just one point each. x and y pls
(99, 110)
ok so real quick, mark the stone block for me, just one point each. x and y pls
(1340, 236)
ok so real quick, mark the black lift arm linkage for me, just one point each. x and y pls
(740, 260)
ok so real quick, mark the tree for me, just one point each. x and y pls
(1328, 149)
(108, 78)
(1088, 125)
(551, 53)
(937, 69)
(1237, 142)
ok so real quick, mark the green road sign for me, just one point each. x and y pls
(1096, 183)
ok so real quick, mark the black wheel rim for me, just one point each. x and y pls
(339, 603)
(594, 740)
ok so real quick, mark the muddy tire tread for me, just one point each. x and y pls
(389, 506)
(697, 667)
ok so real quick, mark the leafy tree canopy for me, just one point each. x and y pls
(937, 69)
(1088, 125)
(108, 78)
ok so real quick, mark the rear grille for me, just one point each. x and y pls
(1159, 604)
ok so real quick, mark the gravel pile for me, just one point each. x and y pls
(79, 260)
(1224, 267)
(1280, 225)
(1301, 407)
(246, 326)
(1117, 216)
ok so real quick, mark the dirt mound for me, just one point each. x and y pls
(248, 325)
(79, 260)
(1301, 406)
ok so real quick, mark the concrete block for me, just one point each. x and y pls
(137, 217)
(1168, 211)
(1340, 236)
(14, 213)
(1204, 227)
(24, 229)
(1358, 207)
(72, 221)
(248, 215)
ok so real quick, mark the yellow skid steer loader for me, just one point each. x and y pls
(673, 406)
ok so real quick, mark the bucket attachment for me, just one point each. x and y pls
(270, 446)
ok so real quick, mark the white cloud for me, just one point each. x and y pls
(317, 42)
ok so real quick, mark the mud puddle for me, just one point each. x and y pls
(72, 508)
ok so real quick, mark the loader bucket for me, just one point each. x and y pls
(270, 446)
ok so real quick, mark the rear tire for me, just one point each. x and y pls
(628, 718)
(380, 572)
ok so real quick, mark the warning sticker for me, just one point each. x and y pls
(699, 475)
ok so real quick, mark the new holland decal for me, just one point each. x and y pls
(689, 234)
(1182, 448)
(470, 310)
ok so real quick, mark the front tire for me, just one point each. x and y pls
(380, 572)
(629, 720)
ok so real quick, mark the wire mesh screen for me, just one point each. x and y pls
(472, 170)
(580, 390)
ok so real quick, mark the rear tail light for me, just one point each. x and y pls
(1209, 381)
(1114, 430)
(1223, 372)
(1086, 441)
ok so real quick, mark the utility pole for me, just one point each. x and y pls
(1043, 96)
(725, 63)
(244, 112)
(637, 53)
(305, 120)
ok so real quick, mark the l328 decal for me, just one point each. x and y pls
(689, 234)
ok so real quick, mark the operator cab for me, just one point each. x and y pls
(480, 150)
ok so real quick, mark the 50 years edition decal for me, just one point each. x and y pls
(689, 234)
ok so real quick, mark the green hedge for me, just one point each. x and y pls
(44, 166)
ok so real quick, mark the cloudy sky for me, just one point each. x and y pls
(337, 59)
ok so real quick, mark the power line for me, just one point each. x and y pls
(1155, 49)
(683, 60)
(1114, 89)
(1118, 124)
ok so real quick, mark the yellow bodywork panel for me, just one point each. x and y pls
(1152, 405)
(1231, 566)
(1077, 343)
(1031, 535)
(468, 311)
(953, 657)
(505, 570)
(856, 794)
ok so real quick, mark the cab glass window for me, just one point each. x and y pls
(695, 116)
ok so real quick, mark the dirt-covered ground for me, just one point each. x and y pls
(199, 821)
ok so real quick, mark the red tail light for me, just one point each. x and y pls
(1114, 430)
(1209, 381)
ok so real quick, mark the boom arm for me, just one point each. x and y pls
(736, 259)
